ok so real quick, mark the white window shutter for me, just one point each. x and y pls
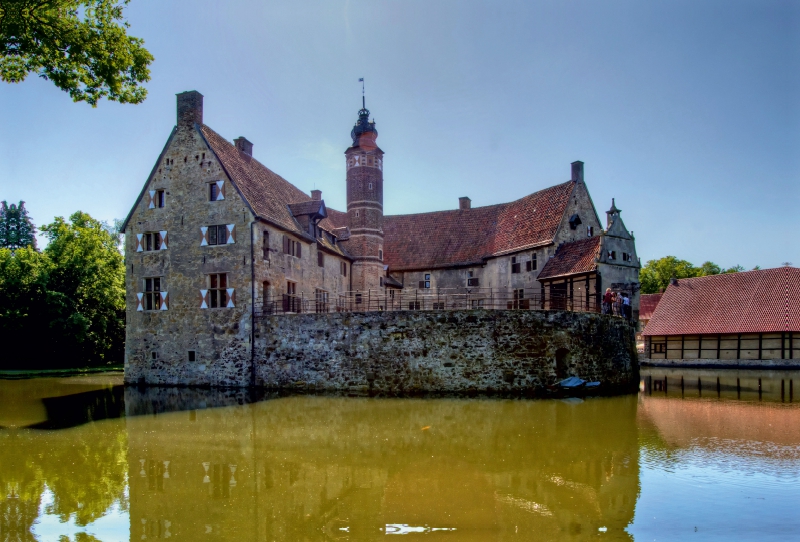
(138, 242)
(163, 235)
(139, 303)
(164, 301)
(203, 299)
(231, 297)
(221, 186)
(231, 233)
(151, 204)
(203, 236)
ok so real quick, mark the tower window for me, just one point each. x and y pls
(380, 255)
(370, 186)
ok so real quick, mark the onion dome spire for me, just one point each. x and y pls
(363, 124)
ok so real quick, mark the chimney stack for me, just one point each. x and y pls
(316, 195)
(577, 171)
(464, 203)
(673, 281)
(190, 108)
(243, 145)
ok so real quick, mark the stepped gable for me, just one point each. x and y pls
(647, 305)
(468, 236)
(767, 300)
(573, 258)
(267, 193)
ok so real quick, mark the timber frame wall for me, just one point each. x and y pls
(731, 346)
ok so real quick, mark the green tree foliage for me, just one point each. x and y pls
(656, 274)
(63, 307)
(16, 227)
(81, 46)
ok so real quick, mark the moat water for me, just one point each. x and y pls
(84, 459)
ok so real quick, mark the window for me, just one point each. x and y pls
(438, 306)
(413, 305)
(152, 294)
(292, 247)
(192, 355)
(519, 301)
(471, 279)
(380, 254)
(381, 281)
(359, 299)
(659, 348)
(477, 303)
(370, 186)
(530, 265)
(626, 257)
(151, 241)
(217, 235)
(320, 259)
(265, 245)
(291, 303)
(321, 300)
(515, 265)
(344, 269)
(425, 283)
(612, 254)
(218, 290)
(589, 231)
(160, 199)
(215, 192)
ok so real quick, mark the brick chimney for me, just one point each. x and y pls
(464, 203)
(243, 145)
(577, 171)
(316, 195)
(190, 108)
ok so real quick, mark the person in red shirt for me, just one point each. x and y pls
(607, 298)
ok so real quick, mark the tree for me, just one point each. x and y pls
(64, 306)
(709, 268)
(16, 227)
(656, 274)
(80, 45)
(88, 276)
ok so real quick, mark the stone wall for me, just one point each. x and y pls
(444, 351)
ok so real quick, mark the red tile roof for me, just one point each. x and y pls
(267, 193)
(572, 259)
(647, 305)
(767, 300)
(467, 236)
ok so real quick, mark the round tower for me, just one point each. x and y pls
(365, 203)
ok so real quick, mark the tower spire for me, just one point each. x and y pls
(363, 95)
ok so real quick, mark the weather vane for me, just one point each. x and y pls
(363, 99)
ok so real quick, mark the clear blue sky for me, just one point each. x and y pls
(687, 112)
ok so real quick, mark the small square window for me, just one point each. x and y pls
(192, 355)
(153, 355)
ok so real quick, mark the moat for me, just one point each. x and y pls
(88, 459)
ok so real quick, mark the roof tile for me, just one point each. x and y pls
(767, 300)
(572, 259)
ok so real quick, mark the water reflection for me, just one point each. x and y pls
(228, 465)
(312, 468)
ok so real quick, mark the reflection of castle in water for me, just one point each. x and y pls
(309, 468)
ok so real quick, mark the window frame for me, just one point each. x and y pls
(217, 293)
(151, 299)
(516, 267)
(216, 229)
(151, 239)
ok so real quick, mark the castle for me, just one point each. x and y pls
(215, 238)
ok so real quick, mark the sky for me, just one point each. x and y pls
(686, 112)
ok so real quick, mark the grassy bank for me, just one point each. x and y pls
(37, 373)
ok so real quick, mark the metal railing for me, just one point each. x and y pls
(430, 300)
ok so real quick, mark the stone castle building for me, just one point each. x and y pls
(216, 238)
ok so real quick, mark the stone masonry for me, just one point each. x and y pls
(447, 351)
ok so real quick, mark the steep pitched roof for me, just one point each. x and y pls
(267, 193)
(748, 302)
(647, 305)
(468, 236)
(573, 258)
(311, 207)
